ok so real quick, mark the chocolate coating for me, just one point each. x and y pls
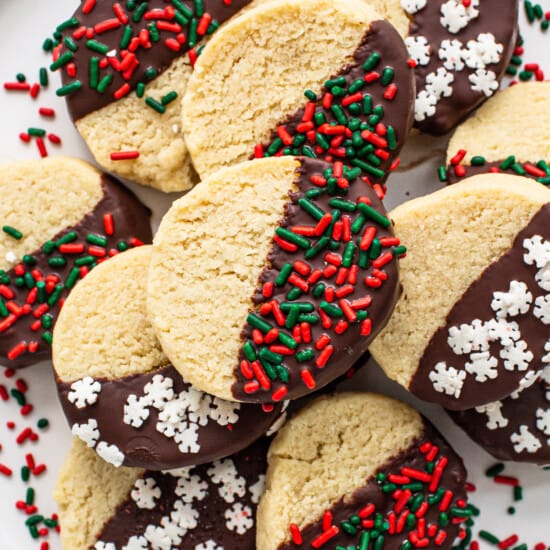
(131, 219)
(486, 168)
(476, 304)
(146, 447)
(453, 479)
(526, 410)
(159, 56)
(498, 17)
(129, 520)
(381, 38)
(350, 346)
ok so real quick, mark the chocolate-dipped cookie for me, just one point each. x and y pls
(475, 308)
(208, 507)
(518, 427)
(269, 280)
(350, 470)
(320, 78)
(60, 217)
(509, 134)
(119, 392)
(125, 67)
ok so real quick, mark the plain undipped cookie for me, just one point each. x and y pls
(347, 471)
(118, 389)
(270, 278)
(509, 134)
(108, 51)
(322, 78)
(60, 217)
(197, 508)
(473, 317)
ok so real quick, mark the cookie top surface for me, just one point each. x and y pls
(60, 218)
(337, 459)
(201, 508)
(472, 315)
(518, 427)
(357, 80)
(510, 134)
(461, 52)
(118, 389)
(297, 276)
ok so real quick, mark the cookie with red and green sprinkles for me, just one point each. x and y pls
(124, 68)
(361, 470)
(118, 390)
(326, 79)
(270, 279)
(60, 218)
(510, 134)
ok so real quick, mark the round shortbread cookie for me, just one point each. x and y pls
(518, 427)
(118, 390)
(270, 278)
(208, 507)
(348, 469)
(474, 313)
(109, 53)
(60, 217)
(320, 78)
(509, 134)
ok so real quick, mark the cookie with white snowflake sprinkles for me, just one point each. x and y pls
(461, 49)
(60, 218)
(208, 507)
(125, 67)
(119, 392)
(321, 78)
(509, 134)
(474, 315)
(518, 427)
(269, 279)
(397, 484)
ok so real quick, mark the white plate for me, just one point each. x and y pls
(25, 24)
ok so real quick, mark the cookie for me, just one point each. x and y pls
(120, 393)
(350, 468)
(461, 50)
(320, 78)
(518, 427)
(509, 134)
(206, 507)
(270, 278)
(474, 313)
(110, 51)
(60, 218)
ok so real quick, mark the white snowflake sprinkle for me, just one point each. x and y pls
(173, 530)
(516, 301)
(516, 356)
(528, 379)
(110, 453)
(257, 490)
(455, 16)
(136, 543)
(187, 438)
(538, 251)
(224, 412)
(232, 484)
(88, 432)
(424, 106)
(239, 518)
(191, 488)
(184, 515)
(545, 375)
(99, 545)
(439, 83)
(158, 538)
(84, 392)
(542, 309)
(199, 406)
(159, 390)
(419, 49)
(484, 81)
(482, 52)
(483, 365)
(543, 277)
(495, 419)
(136, 410)
(451, 53)
(145, 493)
(543, 420)
(447, 380)
(171, 417)
(504, 331)
(525, 441)
(208, 545)
(468, 337)
(413, 6)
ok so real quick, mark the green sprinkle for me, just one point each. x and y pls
(3, 309)
(511, 510)
(495, 470)
(338, 81)
(43, 77)
(371, 61)
(169, 97)
(348, 528)
(524, 76)
(367, 104)
(140, 89)
(282, 373)
(275, 146)
(12, 232)
(389, 487)
(72, 278)
(43, 423)
(347, 206)
(33, 520)
(48, 45)
(443, 519)
(266, 355)
(373, 215)
(69, 23)
(287, 340)
(155, 105)
(126, 37)
(304, 355)
(185, 10)
(258, 322)
(314, 250)
(442, 173)
(529, 11)
(51, 523)
(29, 280)
(56, 294)
(84, 260)
(311, 95)
(97, 46)
(349, 253)
(93, 72)
(339, 114)
(57, 261)
(545, 24)
(19, 397)
(29, 497)
(379, 543)
(33, 531)
(96, 239)
(460, 512)
(302, 307)
(368, 168)
(399, 251)
(42, 295)
(62, 60)
(153, 31)
(520, 547)
(331, 310)
(489, 537)
(25, 473)
(539, 13)
(192, 38)
(122, 246)
(512, 71)
(407, 545)
(387, 76)
(69, 88)
(291, 237)
(364, 540)
(293, 294)
(518, 493)
(478, 160)
(36, 132)
(285, 272)
(140, 12)
(415, 502)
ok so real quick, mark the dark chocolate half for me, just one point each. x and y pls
(529, 336)
(153, 53)
(143, 425)
(380, 508)
(34, 290)
(216, 504)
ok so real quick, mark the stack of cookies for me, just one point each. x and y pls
(188, 364)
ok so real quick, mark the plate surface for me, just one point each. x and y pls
(25, 24)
